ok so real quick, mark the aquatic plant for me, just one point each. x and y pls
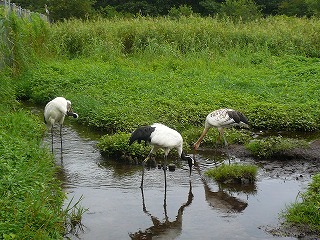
(234, 173)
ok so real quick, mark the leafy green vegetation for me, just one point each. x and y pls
(306, 213)
(31, 197)
(274, 146)
(117, 146)
(234, 173)
(22, 40)
(121, 74)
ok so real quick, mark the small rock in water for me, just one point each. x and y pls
(172, 167)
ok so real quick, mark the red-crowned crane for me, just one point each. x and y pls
(220, 119)
(55, 112)
(160, 136)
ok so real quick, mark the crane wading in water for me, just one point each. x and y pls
(220, 119)
(55, 112)
(160, 136)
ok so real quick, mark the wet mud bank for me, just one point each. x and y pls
(296, 163)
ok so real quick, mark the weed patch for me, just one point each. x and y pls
(233, 173)
(306, 213)
(274, 146)
(31, 197)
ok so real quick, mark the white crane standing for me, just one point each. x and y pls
(160, 136)
(55, 112)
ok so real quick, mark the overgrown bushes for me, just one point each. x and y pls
(104, 38)
(23, 40)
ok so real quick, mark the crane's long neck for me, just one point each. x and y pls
(188, 159)
(196, 145)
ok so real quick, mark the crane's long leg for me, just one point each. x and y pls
(143, 164)
(165, 172)
(226, 145)
(141, 185)
(153, 149)
(52, 139)
(165, 204)
(61, 140)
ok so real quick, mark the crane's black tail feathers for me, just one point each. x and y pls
(142, 133)
(238, 117)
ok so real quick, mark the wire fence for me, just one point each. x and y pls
(21, 12)
(6, 54)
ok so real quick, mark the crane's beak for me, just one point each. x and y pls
(190, 163)
(72, 114)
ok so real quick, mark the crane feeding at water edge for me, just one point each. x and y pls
(220, 119)
(160, 136)
(55, 112)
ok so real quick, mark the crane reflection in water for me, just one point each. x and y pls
(221, 200)
(164, 229)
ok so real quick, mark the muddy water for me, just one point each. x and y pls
(192, 207)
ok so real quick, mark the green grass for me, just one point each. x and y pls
(306, 213)
(274, 146)
(31, 197)
(234, 173)
(119, 95)
(123, 73)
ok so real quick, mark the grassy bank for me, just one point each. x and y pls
(306, 214)
(30, 196)
(125, 73)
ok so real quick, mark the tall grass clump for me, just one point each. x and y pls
(23, 40)
(234, 173)
(109, 37)
(7, 93)
(305, 214)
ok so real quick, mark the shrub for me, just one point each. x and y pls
(117, 147)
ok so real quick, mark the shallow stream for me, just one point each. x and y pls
(193, 207)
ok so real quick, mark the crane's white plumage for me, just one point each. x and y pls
(160, 136)
(166, 138)
(220, 119)
(55, 112)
